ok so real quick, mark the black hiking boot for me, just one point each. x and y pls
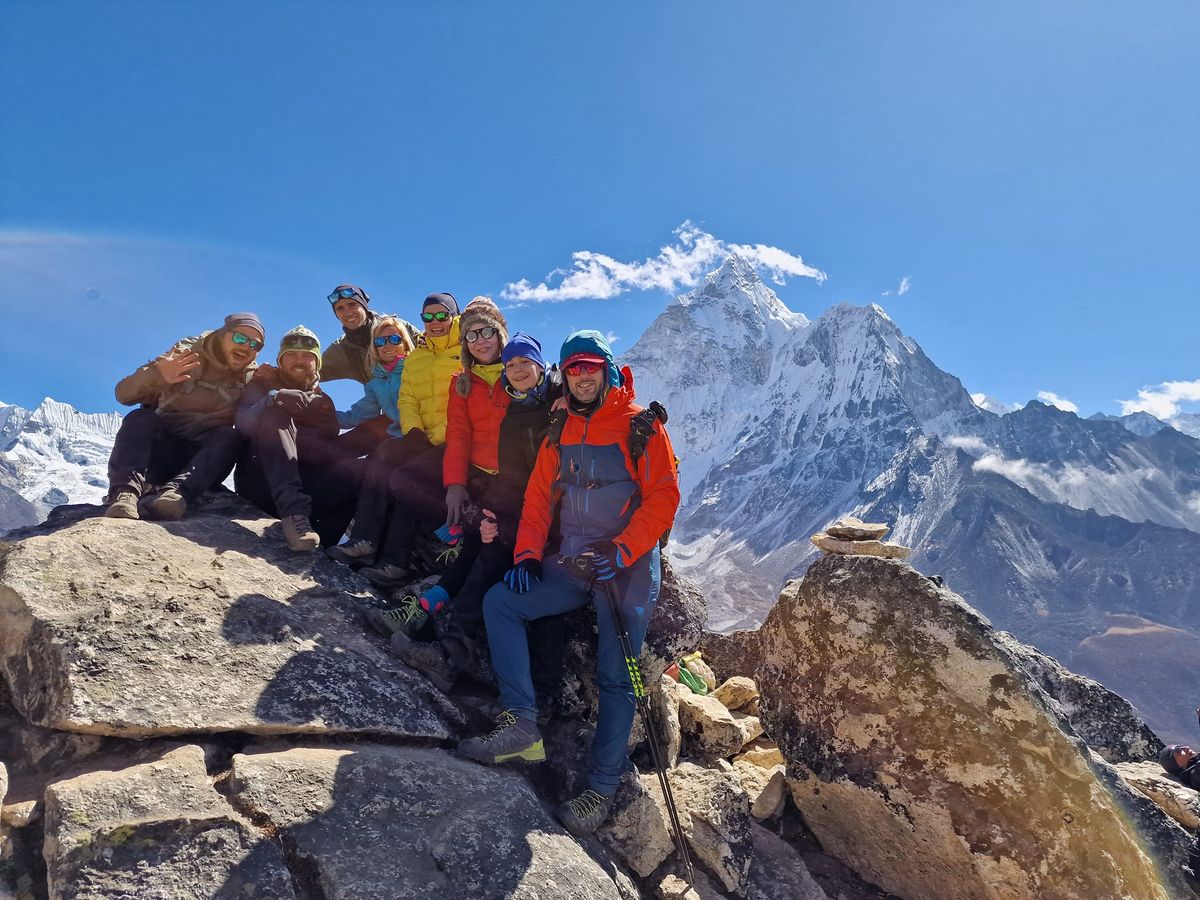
(585, 813)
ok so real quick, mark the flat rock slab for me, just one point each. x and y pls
(142, 629)
(848, 528)
(1176, 799)
(155, 830)
(389, 823)
(885, 549)
(923, 755)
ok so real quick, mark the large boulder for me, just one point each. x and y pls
(142, 629)
(157, 829)
(1106, 721)
(373, 822)
(1177, 800)
(924, 755)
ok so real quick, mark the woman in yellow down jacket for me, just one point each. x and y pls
(428, 369)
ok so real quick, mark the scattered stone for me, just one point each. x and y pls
(707, 723)
(21, 814)
(886, 549)
(1106, 721)
(926, 758)
(766, 788)
(752, 708)
(3, 781)
(675, 888)
(702, 670)
(779, 870)
(848, 528)
(142, 629)
(637, 828)
(750, 726)
(666, 709)
(1176, 799)
(736, 692)
(762, 753)
(157, 829)
(383, 821)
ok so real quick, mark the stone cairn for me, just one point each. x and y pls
(849, 536)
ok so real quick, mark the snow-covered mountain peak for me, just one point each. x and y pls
(68, 422)
(734, 298)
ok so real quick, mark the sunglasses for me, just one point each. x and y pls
(299, 342)
(239, 338)
(342, 294)
(384, 340)
(583, 368)
(486, 332)
(439, 316)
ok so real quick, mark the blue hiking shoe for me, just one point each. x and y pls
(513, 739)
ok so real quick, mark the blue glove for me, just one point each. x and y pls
(524, 575)
(605, 560)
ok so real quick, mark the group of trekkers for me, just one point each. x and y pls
(540, 481)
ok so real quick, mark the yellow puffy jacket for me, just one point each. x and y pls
(425, 387)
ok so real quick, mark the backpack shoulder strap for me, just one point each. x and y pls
(554, 433)
(641, 428)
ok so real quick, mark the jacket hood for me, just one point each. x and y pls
(592, 342)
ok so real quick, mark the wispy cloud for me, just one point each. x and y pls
(905, 284)
(968, 442)
(1162, 401)
(611, 338)
(680, 264)
(1052, 399)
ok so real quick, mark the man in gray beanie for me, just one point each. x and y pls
(182, 436)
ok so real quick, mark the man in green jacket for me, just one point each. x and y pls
(182, 437)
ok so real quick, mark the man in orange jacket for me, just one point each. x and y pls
(612, 513)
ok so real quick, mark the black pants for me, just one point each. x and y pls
(375, 499)
(362, 439)
(289, 471)
(146, 452)
(418, 501)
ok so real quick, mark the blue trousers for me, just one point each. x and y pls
(562, 590)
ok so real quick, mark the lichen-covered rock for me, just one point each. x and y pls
(715, 813)
(385, 823)
(766, 788)
(157, 829)
(922, 754)
(885, 549)
(779, 872)
(849, 528)
(637, 829)
(675, 888)
(762, 753)
(142, 629)
(750, 726)
(731, 654)
(1106, 721)
(1177, 800)
(736, 692)
(708, 724)
(666, 709)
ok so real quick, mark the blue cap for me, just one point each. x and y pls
(522, 344)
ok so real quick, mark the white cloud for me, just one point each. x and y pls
(1052, 399)
(1162, 401)
(967, 442)
(681, 264)
(905, 283)
(611, 338)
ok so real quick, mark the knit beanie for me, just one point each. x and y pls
(300, 338)
(1166, 758)
(522, 344)
(361, 297)
(446, 299)
(244, 320)
(479, 313)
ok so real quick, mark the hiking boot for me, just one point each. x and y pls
(428, 658)
(407, 618)
(513, 738)
(299, 533)
(123, 506)
(359, 551)
(385, 575)
(585, 813)
(169, 506)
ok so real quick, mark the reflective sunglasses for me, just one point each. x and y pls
(583, 368)
(384, 340)
(486, 332)
(439, 316)
(239, 338)
(342, 294)
(298, 342)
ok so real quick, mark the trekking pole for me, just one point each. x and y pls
(649, 720)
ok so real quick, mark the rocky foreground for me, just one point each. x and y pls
(189, 711)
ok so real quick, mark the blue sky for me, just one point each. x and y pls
(1031, 168)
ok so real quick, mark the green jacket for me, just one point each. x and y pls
(190, 408)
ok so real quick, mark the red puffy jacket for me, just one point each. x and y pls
(473, 428)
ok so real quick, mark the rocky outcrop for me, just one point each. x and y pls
(156, 830)
(1106, 721)
(923, 754)
(142, 629)
(1177, 800)
(437, 825)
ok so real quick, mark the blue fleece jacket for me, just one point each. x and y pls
(379, 398)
